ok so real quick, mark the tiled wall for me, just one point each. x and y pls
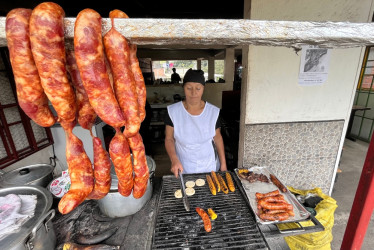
(302, 154)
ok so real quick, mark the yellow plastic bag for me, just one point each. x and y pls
(325, 215)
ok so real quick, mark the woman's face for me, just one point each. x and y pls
(193, 91)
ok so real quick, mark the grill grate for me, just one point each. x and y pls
(235, 227)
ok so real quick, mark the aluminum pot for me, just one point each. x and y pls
(37, 232)
(115, 205)
(38, 174)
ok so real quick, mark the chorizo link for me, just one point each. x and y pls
(80, 172)
(206, 220)
(272, 193)
(48, 49)
(134, 62)
(90, 58)
(117, 51)
(117, 14)
(101, 171)
(86, 118)
(121, 157)
(109, 72)
(86, 114)
(274, 205)
(278, 198)
(277, 183)
(139, 81)
(30, 93)
(273, 217)
(141, 170)
(270, 211)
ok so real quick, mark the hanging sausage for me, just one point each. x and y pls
(30, 93)
(86, 117)
(48, 49)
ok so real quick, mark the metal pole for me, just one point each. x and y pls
(363, 205)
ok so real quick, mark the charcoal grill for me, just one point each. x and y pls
(235, 227)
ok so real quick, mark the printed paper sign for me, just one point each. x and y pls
(314, 65)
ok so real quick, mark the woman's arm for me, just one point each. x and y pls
(218, 140)
(170, 149)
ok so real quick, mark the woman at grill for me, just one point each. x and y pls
(193, 137)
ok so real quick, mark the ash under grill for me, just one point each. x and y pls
(235, 227)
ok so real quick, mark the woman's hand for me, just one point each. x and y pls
(218, 140)
(223, 167)
(170, 149)
(175, 166)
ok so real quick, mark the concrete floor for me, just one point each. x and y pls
(344, 191)
(352, 161)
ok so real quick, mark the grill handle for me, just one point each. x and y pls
(293, 230)
(301, 230)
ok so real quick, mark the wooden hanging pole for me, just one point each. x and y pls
(145, 31)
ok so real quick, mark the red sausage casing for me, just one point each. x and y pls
(205, 217)
(118, 53)
(121, 157)
(30, 93)
(139, 81)
(80, 172)
(86, 115)
(48, 49)
(101, 171)
(90, 58)
(141, 170)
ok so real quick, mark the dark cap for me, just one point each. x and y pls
(194, 76)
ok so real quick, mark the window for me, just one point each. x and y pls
(19, 135)
(219, 69)
(163, 69)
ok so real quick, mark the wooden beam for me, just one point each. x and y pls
(232, 32)
(175, 54)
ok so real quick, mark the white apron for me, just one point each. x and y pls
(193, 136)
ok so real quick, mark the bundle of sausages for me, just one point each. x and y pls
(80, 87)
(272, 206)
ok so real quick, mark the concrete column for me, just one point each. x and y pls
(243, 103)
(229, 65)
(244, 89)
(198, 63)
(210, 67)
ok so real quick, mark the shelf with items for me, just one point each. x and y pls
(157, 125)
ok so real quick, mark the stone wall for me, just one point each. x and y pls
(302, 154)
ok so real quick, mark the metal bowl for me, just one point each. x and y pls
(38, 174)
(115, 205)
(37, 232)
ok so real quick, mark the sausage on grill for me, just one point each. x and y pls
(117, 51)
(120, 154)
(30, 93)
(90, 58)
(206, 220)
(48, 49)
(140, 165)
